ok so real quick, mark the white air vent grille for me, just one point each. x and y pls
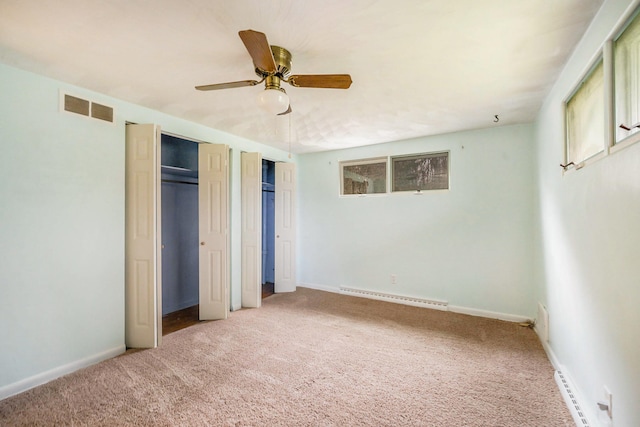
(84, 107)
(400, 299)
(571, 400)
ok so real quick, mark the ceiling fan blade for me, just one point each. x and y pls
(330, 81)
(229, 85)
(259, 49)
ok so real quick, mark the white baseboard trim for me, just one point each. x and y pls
(550, 354)
(418, 302)
(45, 377)
(490, 314)
(320, 287)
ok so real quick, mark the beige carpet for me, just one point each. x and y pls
(313, 358)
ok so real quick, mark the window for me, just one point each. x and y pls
(585, 113)
(413, 172)
(429, 171)
(602, 115)
(364, 176)
(626, 52)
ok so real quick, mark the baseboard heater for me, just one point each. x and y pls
(569, 397)
(417, 302)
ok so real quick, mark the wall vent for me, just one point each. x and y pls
(84, 107)
(400, 299)
(102, 112)
(570, 399)
(76, 105)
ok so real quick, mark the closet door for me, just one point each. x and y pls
(213, 200)
(285, 227)
(143, 314)
(251, 229)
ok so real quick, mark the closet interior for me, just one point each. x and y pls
(268, 227)
(179, 186)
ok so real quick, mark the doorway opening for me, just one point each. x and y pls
(268, 227)
(179, 213)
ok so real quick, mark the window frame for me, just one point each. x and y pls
(359, 162)
(633, 137)
(388, 162)
(433, 154)
(591, 69)
(604, 53)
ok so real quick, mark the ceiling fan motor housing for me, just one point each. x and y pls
(282, 58)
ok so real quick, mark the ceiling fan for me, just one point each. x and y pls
(273, 66)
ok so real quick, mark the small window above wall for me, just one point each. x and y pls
(626, 52)
(418, 172)
(363, 176)
(585, 112)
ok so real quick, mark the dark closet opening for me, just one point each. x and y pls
(268, 227)
(180, 272)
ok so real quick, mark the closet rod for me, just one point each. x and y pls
(179, 182)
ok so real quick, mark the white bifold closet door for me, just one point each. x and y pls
(213, 201)
(285, 216)
(143, 271)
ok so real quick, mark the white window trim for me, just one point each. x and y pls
(389, 178)
(604, 52)
(420, 192)
(372, 160)
(627, 142)
(632, 13)
(592, 65)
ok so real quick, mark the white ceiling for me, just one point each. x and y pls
(419, 67)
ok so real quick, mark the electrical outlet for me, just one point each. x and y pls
(608, 398)
(393, 279)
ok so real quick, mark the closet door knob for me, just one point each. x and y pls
(201, 243)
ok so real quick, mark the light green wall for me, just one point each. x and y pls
(62, 224)
(61, 269)
(588, 230)
(470, 246)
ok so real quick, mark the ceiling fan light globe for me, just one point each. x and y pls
(274, 101)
